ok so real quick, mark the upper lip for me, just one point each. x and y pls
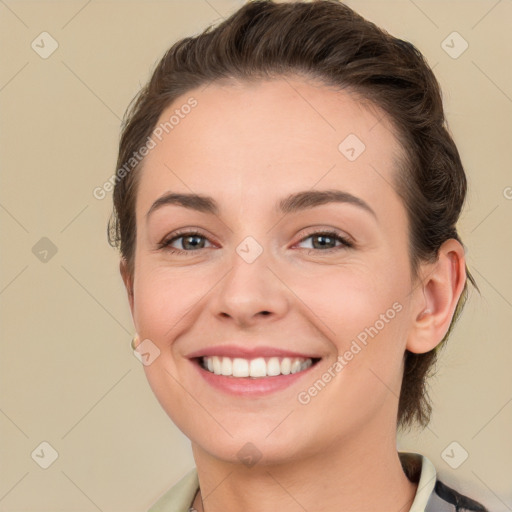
(248, 352)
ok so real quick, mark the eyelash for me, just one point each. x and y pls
(345, 243)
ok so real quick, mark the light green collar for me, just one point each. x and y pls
(179, 498)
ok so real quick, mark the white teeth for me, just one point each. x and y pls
(240, 367)
(286, 366)
(295, 366)
(226, 366)
(273, 366)
(259, 367)
(217, 368)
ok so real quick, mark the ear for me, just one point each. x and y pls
(437, 297)
(128, 281)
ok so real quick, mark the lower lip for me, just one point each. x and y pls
(248, 386)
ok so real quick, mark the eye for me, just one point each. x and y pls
(325, 241)
(190, 241)
(193, 241)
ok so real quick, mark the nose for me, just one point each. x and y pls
(251, 293)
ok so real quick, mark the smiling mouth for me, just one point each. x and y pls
(259, 367)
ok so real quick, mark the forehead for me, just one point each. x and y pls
(251, 143)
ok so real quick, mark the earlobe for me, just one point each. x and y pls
(438, 295)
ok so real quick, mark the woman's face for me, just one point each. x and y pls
(259, 285)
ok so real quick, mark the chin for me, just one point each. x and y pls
(253, 445)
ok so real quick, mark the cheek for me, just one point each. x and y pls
(162, 299)
(362, 311)
(164, 305)
(350, 298)
(365, 319)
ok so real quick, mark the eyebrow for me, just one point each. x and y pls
(290, 204)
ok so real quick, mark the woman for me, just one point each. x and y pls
(286, 210)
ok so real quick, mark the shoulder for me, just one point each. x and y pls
(178, 498)
(432, 494)
(446, 499)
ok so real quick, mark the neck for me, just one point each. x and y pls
(362, 474)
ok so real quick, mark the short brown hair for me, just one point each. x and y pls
(324, 40)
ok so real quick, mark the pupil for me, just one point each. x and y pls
(323, 237)
(194, 237)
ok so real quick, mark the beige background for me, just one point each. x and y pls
(68, 376)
